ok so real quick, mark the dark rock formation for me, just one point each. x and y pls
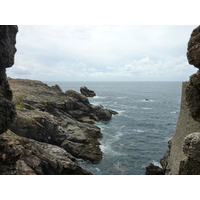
(183, 156)
(22, 156)
(49, 115)
(7, 52)
(7, 45)
(154, 170)
(88, 93)
(193, 53)
(191, 148)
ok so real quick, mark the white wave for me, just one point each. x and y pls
(138, 130)
(156, 163)
(121, 97)
(107, 150)
(145, 108)
(166, 139)
(98, 170)
(99, 97)
(174, 112)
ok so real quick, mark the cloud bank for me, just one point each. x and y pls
(102, 53)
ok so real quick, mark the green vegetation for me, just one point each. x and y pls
(19, 104)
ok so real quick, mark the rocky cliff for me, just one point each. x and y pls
(43, 129)
(183, 156)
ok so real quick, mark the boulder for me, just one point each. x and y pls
(154, 170)
(193, 50)
(88, 93)
(191, 148)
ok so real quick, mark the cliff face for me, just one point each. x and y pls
(183, 156)
(7, 52)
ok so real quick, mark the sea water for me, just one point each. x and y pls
(139, 134)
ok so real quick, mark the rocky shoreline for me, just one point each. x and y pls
(65, 119)
(43, 129)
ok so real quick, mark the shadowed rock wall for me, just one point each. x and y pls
(7, 53)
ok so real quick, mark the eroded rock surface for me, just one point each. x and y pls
(49, 115)
(88, 93)
(7, 52)
(191, 148)
(23, 156)
(193, 53)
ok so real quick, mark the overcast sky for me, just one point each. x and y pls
(102, 53)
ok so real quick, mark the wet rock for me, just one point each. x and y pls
(154, 170)
(88, 93)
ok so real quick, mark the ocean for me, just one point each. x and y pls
(139, 134)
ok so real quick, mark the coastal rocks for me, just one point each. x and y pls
(49, 115)
(7, 114)
(79, 107)
(88, 93)
(22, 156)
(193, 53)
(7, 52)
(191, 148)
(154, 170)
(7, 45)
(193, 96)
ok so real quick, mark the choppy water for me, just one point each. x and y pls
(138, 135)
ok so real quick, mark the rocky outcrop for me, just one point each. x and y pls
(154, 170)
(183, 156)
(7, 52)
(22, 156)
(88, 93)
(49, 115)
(191, 148)
(193, 53)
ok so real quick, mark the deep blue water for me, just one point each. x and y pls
(138, 135)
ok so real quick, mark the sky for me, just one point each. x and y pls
(102, 53)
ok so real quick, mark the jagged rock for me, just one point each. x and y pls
(193, 53)
(154, 170)
(88, 93)
(191, 146)
(7, 45)
(193, 96)
(59, 129)
(164, 159)
(7, 52)
(22, 156)
(49, 115)
(7, 114)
